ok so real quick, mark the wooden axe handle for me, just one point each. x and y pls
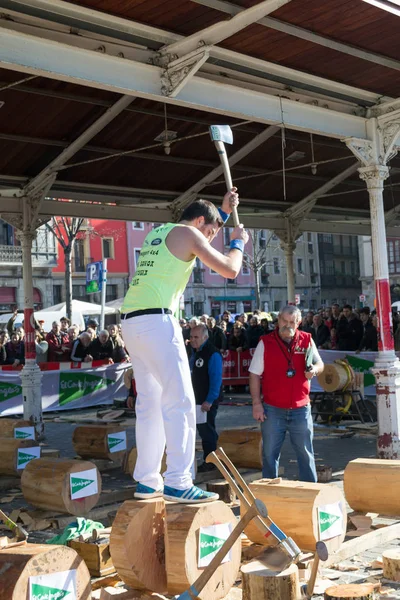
(227, 174)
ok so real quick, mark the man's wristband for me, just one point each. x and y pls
(237, 245)
(224, 216)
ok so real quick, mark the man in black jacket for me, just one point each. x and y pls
(102, 347)
(206, 369)
(216, 335)
(319, 331)
(349, 330)
(254, 332)
(370, 338)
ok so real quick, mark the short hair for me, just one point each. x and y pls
(84, 335)
(291, 309)
(335, 304)
(212, 321)
(195, 320)
(349, 306)
(64, 319)
(202, 208)
(365, 310)
(104, 332)
(203, 328)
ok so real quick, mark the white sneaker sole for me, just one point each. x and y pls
(190, 500)
(144, 496)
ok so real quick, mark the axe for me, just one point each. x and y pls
(220, 135)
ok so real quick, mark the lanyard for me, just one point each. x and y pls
(289, 349)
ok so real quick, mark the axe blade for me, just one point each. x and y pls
(221, 133)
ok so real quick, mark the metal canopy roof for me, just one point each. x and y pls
(92, 79)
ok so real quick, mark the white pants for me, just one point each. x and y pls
(165, 406)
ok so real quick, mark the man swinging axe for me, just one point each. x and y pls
(165, 406)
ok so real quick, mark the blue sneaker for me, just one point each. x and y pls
(145, 492)
(192, 495)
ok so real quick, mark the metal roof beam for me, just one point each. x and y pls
(46, 58)
(224, 29)
(305, 34)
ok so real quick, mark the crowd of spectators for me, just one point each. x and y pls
(64, 342)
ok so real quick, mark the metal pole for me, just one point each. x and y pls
(31, 376)
(289, 248)
(387, 366)
(103, 293)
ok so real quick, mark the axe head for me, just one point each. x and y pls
(322, 551)
(221, 133)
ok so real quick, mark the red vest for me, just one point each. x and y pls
(279, 389)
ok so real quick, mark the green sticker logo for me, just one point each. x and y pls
(21, 435)
(9, 390)
(326, 520)
(112, 442)
(209, 544)
(79, 484)
(43, 592)
(23, 458)
(76, 385)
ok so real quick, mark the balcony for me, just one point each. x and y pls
(340, 280)
(345, 250)
(12, 256)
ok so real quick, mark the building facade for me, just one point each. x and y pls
(366, 262)
(44, 258)
(339, 265)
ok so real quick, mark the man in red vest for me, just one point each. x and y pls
(283, 364)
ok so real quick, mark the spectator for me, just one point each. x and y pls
(222, 325)
(265, 326)
(58, 344)
(349, 330)
(119, 352)
(129, 382)
(327, 316)
(369, 340)
(335, 316)
(280, 359)
(65, 324)
(93, 324)
(41, 329)
(254, 332)
(73, 333)
(320, 331)
(102, 347)
(243, 320)
(204, 318)
(331, 343)
(3, 341)
(193, 322)
(206, 369)
(237, 340)
(15, 350)
(183, 323)
(216, 335)
(226, 316)
(41, 348)
(80, 349)
(92, 333)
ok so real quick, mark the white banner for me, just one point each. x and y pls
(54, 586)
(210, 541)
(25, 455)
(66, 389)
(83, 484)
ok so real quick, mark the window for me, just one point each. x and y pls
(245, 269)
(111, 292)
(277, 305)
(309, 237)
(390, 251)
(79, 255)
(352, 268)
(330, 267)
(276, 266)
(397, 251)
(108, 247)
(198, 309)
(155, 225)
(327, 238)
(262, 238)
(343, 267)
(79, 292)
(198, 272)
(137, 225)
(137, 254)
(264, 276)
(57, 294)
(231, 281)
(227, 236)
(311, 264)
(300, 266)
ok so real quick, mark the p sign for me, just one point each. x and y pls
(94, 277)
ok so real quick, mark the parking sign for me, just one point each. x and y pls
(94, 277)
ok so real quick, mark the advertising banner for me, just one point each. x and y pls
(53, 586)
(83, 484)
(210, 541)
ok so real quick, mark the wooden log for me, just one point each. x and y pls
(96, 556)
(391, 564)
(293, 505)
(223, 489)
(259, 583)
(373, 485)
(100, 441)
(131, 462)
(137, 544)
(16, 454)
(9, 426)
(362, 591)
(62, 485)
(243, 447)
(182, 541)
(18, 565)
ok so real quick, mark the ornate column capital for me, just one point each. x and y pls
(374, 175)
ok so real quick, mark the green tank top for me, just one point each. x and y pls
(160, 277)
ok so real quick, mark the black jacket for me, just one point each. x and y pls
(217, 338)
(101, 351)
(253, 335)
(200, 376)
(237, 342)
(79, 351)
(320, 335)
(370, 338)
(349, 333)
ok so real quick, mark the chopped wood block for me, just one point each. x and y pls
(50, 453)
(293, 506)
(9, 425)
(19, 563)
(100, 441)
(223, 489)
(259, 583)
(243, 447)
(363, 591)
(96, 556)
(137, 544)
(373, 485)
(12, 455)
(391, 564)
(182, 532)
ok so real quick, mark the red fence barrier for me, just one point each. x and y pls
(236, 366)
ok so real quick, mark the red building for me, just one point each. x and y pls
(98, 239)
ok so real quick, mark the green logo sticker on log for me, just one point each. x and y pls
(24, 433)
(210, 541)
(9, 390)
(83, 484)
(25, 455)
(117, 441)
(76, 385)
(330, 519)
(55, 586)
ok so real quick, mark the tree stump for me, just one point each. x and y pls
(223, 489)
(16, 454)
(17, 428)
(131, 462)
(391, 564)
(362, 591)
(62, 485)
(293, 505)
(100, 441)
(259, 583)
(137, 544)
(21, 565)
(182, 541)
(373, 485)
(243, 447)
